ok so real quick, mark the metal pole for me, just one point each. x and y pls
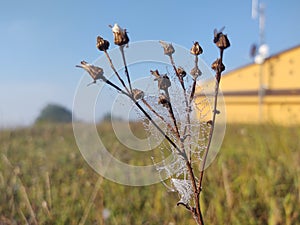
(261, 91)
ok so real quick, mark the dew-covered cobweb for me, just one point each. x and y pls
(193, 131)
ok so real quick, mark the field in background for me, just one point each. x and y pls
(44, 180)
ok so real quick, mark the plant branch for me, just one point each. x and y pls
(171, 112)
(218, 79)
(116, 72)
(159, 129)
(159, 116)
(185, 205)
(126, 69)
(194, 83)
(147, 115)
(176, 72)
(187, 105)
(196, 211)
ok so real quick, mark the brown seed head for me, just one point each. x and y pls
(209, 122)
(155, 73)
(196, 49)
(162, 99)
(120, 35)
(196, 72)
(218, 66)
(181, 72)
(163, 80)
(138, 94)
(94, 71)
(221, 40)
(102, 44)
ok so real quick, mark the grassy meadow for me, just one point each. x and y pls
(255, 179)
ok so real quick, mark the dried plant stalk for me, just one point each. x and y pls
(178, 135)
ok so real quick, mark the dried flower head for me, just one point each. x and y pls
(209, 122)
(168, 48)
(138, 94)
(218, 66)
(162, 99)
(221, 39)
(95, 72)
(163, 80)
(102, 44)
(181, 72)
(155, 73)
(196, 72)
(120, 35)
(196, 49)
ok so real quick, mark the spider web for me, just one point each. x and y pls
(195, 132)
(184, 189)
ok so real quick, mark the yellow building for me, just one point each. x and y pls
(269, 92)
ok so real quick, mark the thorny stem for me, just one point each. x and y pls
(116, 72)
(218, 79)
(126, 69)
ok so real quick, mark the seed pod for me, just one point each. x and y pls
(120, 35)
(94, 71)
(223, 42)
(155, 73)
(138, 94)
(168, 48)
(196, 72)
(181, 72)
(218, 66)
(102, 44)
(196, 49)
(163, 100)
(209, 122)
(164, 82)
(221, 39)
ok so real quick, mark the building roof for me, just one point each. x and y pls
(268, 58)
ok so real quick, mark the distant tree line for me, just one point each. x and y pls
(53, 113)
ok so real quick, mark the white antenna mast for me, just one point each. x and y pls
(258, 10)
(262, 23)
(254, 9)
(263, 51)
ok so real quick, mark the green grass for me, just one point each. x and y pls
(43, 179)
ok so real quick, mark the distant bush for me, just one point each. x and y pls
(54, 113)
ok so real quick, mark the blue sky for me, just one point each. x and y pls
(42, 41)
